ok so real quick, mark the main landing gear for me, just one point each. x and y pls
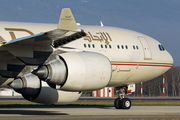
(121, 102)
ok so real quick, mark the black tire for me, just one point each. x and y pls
(125, 103)
(117, 103)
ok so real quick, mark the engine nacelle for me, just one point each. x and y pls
(78, 71)
(49, 95)
(38, 91)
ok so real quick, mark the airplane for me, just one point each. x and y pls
(49, 63)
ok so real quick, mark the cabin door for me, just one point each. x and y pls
(146, 48)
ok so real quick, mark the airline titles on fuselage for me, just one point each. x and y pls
(100, 36)
(12, 34)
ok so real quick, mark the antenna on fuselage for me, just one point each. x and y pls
(101, 24)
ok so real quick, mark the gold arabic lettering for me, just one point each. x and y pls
(100, 36)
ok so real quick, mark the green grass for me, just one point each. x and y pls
(134, 103)
(156, 103)
(95, 103)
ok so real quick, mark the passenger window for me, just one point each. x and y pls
(137, 47)
(105, 46)
(126, 47)
(110, 46)
(122, 46)
(93, 46)
(101, 46)
(134, 47)
(89, 45)
(118, 47)
(85, 45)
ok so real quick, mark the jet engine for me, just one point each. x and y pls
(38, 91)
(76, 71)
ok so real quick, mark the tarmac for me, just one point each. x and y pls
(88, 113)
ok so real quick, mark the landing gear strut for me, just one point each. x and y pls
(121, 102)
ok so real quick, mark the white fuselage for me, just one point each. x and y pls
(135, 57)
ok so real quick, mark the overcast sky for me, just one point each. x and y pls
(159, 19)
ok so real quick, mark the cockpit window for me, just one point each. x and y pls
(161, 48)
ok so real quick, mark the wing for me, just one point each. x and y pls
(35, 49)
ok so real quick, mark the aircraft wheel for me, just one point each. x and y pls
(117, 103)
(125, 103)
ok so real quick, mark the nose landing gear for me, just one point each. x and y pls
(121, 102)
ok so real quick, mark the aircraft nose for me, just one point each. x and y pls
(169, 59)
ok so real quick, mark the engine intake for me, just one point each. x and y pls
(78, 71)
